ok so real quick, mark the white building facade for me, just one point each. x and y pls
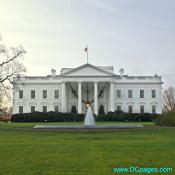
(97, 86)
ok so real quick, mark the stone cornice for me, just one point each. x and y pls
(81, 81)
(137, 83)
(37, 83)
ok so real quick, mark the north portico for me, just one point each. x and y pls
(83, 93)
(87, 85)
(78, 87)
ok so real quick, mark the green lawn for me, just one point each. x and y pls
(50, 153)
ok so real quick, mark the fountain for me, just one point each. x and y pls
(89, 118)
(89, 124)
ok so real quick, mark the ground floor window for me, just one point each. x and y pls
(119, 108)
(44, 108)
(56, 108)
(141, 109)
(32, 108)
(153, 109)
(130, 109)
(20, 109)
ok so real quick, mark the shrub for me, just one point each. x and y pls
(47, 117)
(70, 117)
(166, 119)
(4, 115)
(124, 117)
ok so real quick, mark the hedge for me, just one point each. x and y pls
(68, 117)
(166, 119)
(129, 117)
(46, 117)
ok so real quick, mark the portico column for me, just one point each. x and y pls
(63, 98)
(112, 96)
(79, 98)
(95, 98)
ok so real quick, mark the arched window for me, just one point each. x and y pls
(73, 110)
(101, 110)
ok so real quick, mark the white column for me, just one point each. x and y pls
(112, 96)
(95, 98)
(79, 98)
(63, 97)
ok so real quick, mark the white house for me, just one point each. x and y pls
(87, 84)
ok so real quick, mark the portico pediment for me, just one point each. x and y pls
(87, 70)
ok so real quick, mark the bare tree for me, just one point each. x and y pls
(10, 65)
(169, 100)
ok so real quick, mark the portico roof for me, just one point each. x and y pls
(87, 70)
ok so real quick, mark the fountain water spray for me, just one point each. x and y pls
(89, 118)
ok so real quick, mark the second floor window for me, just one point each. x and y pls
(129, 93)
(118, 93)
(141, 93)
(153, 93)
(21, 94)
(32, 93)
(44, 94)
(56, 94)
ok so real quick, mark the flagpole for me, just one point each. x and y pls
(87, 54)
(86, 50)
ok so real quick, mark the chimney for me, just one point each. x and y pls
(53, 72)
(121, 72)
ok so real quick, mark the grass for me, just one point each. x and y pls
(93, 153)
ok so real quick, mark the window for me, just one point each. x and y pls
(44, 94)
(153, 93)
(153, 109)
(141, 93)
(32, 93)
(32, 108)
(44, 108)
(20, 109)
(56, 94)
(129, 93)
(118, 108)
(130, 109)
(142, 109)
(21, 94)
(56, 108)
(118, 93)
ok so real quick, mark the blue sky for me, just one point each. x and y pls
(138, 35)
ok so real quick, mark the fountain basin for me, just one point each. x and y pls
(90, 127)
